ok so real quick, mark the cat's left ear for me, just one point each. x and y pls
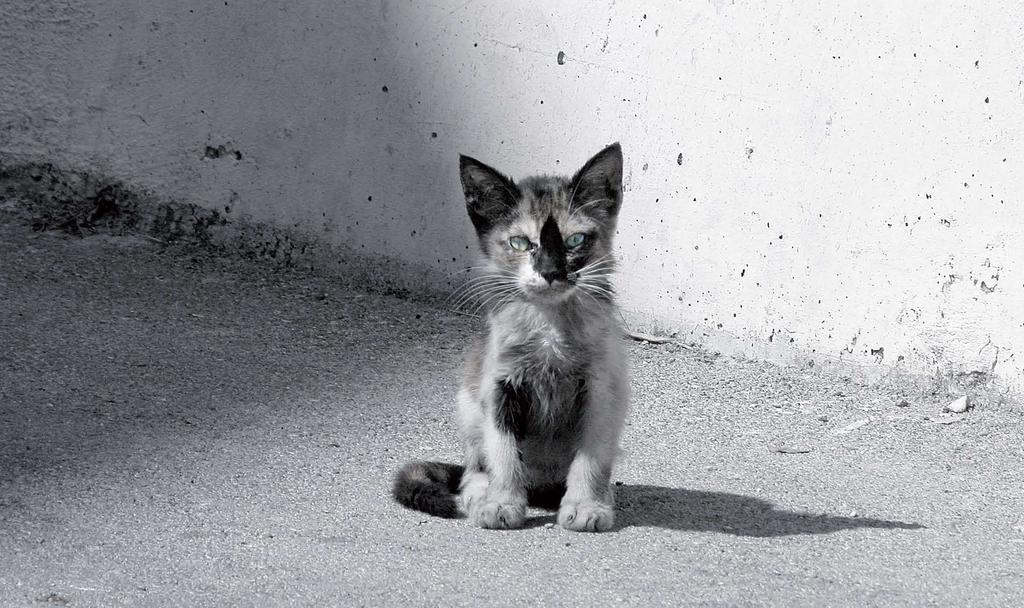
(597, 187)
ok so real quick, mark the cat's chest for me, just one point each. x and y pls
(542, 348)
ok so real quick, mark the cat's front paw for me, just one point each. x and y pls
(586, 516)
(499, 516)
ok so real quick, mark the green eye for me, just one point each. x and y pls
(575, 240)
(519, 243)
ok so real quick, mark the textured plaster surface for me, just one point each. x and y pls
(804, 182)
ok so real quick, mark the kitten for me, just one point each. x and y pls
(543, 398)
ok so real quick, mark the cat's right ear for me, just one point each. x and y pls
(490, 196)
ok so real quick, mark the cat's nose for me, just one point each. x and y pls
(553, 275)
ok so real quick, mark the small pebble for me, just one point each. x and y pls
(549, 525)
(959, 406)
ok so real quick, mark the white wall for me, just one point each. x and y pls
(803, 180)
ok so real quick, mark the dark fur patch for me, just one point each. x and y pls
(582, 393)
(550, 260)
(512, 408)
(429, 487)
(546, 497)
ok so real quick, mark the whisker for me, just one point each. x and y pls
(589, 295)
(604, 259)
(597, 277)
(470, 289)
(604, 298)
(598, 288)
(483, 277)
(495, 297)
(591, 280)
(475, 295)
(601, 270)
(478, 294)
(606, 266)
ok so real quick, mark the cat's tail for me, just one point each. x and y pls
(430, 487)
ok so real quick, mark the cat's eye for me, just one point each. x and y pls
(575, 240)
(519, 243)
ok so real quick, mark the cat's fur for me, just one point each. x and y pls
(543, 398)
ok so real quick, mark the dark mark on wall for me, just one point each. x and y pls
(749, 151)
(221, 151)
(561, 58)
(878, 354)
(679, 159)
(384, 88)
(987, 288)
(986, 100)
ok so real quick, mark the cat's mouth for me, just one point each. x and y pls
(556, 291)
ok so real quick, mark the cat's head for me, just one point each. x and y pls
(546, 239)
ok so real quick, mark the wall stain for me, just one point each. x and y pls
(221, 151)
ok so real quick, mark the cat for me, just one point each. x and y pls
(543, 397)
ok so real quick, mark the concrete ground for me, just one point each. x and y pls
(178, 429)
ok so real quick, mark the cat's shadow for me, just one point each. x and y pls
(644, 506)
